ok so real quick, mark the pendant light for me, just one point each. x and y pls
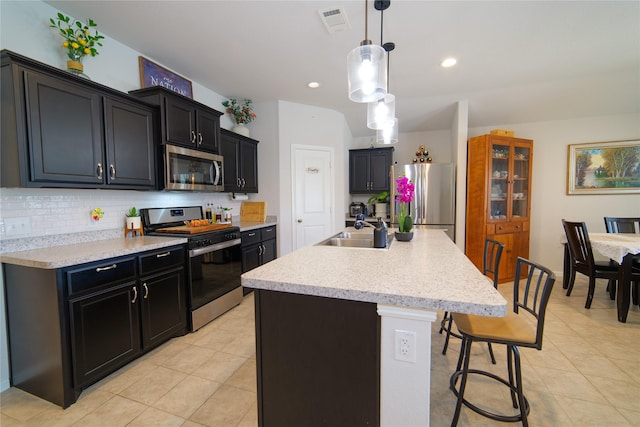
(387, 133)
(380, 113)
(366, 73)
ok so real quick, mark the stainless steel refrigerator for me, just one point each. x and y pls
(434, 205)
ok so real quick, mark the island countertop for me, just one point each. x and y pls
(429, 272)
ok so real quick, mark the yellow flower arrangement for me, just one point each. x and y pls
(78, 40)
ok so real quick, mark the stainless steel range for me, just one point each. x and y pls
(215, 262)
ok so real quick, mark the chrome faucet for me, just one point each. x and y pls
(360, 223)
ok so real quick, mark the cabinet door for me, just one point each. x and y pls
(208, 131)
(230, 150)
(519, 175)
(249, 166)
(379, 170)
(105, 332)
(269, 250)
(180, 122)
(251, 257)
(65, 131)
(359, 181)
(130, 144)
(163, 307)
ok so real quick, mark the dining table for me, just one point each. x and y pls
(622, 248)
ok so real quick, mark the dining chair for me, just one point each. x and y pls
(490, 267)
(521, 327)
(583, 262)
(629, 225)
(622, 224)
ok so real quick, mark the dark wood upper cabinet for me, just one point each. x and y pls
(129, 143)
(184, 122)
(60, 130)
(240, 162)
(369, 170)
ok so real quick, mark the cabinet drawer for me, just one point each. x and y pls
(100, 274)
(251, 237)
(268, 233)
(511, 227)
(162, 259)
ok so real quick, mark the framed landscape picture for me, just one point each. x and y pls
(604, 168)
(152, 74)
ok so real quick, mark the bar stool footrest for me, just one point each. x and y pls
(493, 416)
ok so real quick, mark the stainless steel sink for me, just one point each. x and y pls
(353, 240)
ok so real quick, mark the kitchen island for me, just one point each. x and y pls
(344, 334)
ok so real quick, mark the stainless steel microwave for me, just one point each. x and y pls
(187, 169)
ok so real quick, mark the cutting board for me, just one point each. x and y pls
(253, 211)
(187, 229)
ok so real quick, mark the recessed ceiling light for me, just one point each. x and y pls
(449, 62)
(313, 85)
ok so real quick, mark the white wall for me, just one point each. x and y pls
(312, 126)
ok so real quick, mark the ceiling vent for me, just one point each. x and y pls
(334, 19)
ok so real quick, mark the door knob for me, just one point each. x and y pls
(299, 220)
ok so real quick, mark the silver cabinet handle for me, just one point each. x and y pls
(199, 138)
(99, 170)
(264, 249)
(252, 234)
(243, 183)
(260, 250)
(163, 255)
(146, 291)
(111, 267)
(238, 182)
(193, 137)
(112, 171)
(135, 295)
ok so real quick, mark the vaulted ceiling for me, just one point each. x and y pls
(518, 61)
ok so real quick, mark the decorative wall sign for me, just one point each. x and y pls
(604, 168)
(152, 74)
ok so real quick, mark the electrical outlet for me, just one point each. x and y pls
(405, 346)
(17, 226)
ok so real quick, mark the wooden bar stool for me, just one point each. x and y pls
(521, 327)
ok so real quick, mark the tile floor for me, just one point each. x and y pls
(588, 374)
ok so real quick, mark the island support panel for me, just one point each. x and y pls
(405, 384)
(318, 361)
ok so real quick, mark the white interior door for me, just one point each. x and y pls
(312, 194)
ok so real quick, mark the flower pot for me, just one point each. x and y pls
(381, 210)
(241, 129)
(133, 223)
(403, 237)
(75, 67)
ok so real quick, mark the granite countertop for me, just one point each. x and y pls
(429, 272)
(79, 253)
(252, 225)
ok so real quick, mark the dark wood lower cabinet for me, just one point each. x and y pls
(318, 361)
(72, 326)
(106, 333)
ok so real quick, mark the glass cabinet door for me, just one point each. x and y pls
(519, 178)
(498, 204)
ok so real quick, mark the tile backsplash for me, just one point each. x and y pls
(46, 212)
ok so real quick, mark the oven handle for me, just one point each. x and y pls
(213, 248)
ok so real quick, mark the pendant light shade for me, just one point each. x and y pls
(388, 134)
(367, 73)
(380, 113)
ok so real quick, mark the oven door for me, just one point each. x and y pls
(215, 271)
(187, 169)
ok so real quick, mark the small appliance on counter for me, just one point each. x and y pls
(356, 209)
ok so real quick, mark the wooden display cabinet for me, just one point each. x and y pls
(499, 198)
